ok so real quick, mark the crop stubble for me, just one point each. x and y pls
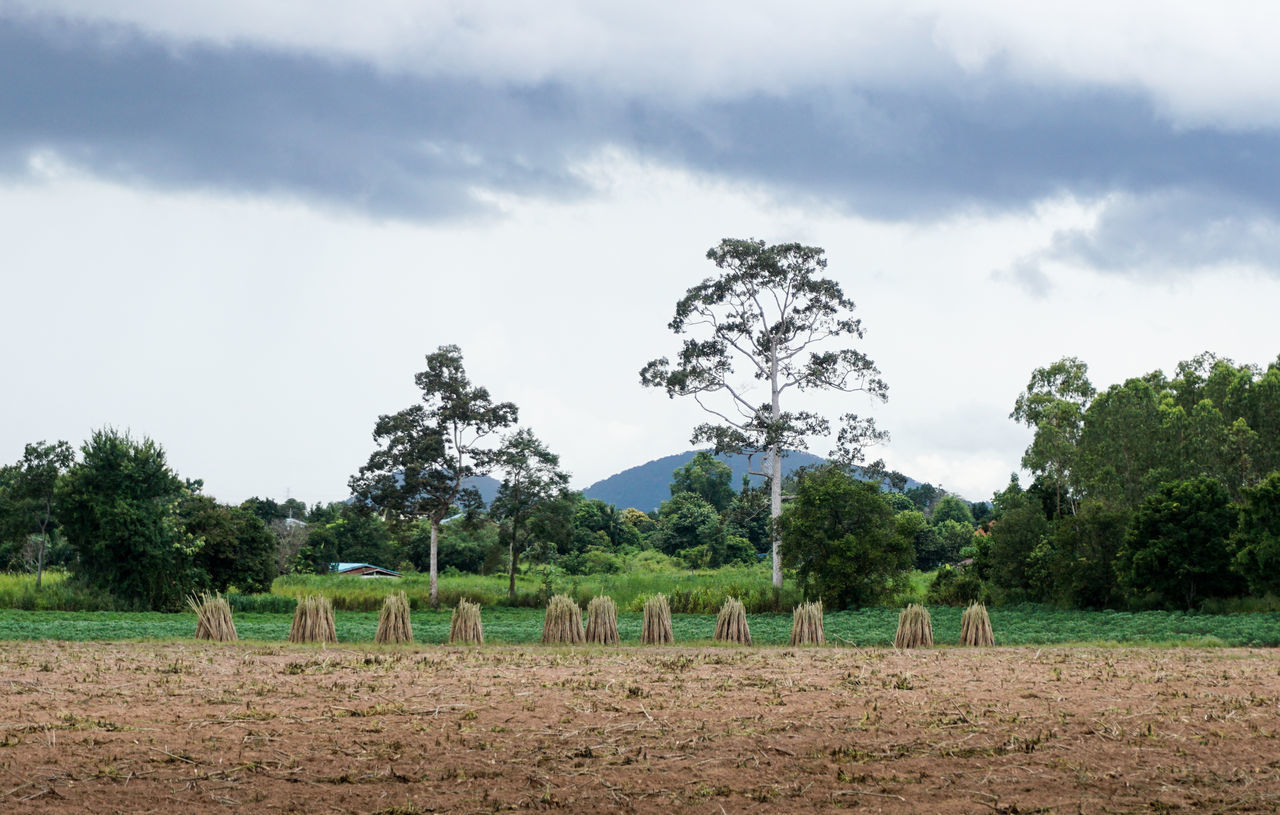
(200, 727)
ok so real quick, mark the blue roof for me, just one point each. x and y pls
(346, 567)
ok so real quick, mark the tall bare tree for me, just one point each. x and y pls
(769, 314)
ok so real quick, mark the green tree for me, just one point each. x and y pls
(117, 508)
(29, 493)
(531, 476)
(1054, 405)
(1256, 542)
(1009, 558)
(748, 517)
(1086, 545)
(707, 476)
(925, 541)
(235, 547)
(840, 536)
(771, 315)
(355, 535)
(687, 522)
(428, 450)
(1176, 550)
(951, 508)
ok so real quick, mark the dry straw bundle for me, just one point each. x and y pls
(657, 622)
(393, 623)
(465, 625)
(313, 620)
(602, 621)
(731, 625)
(563, 623)
(915, 629)
(975, 626)
(806, 625)
(213, 618)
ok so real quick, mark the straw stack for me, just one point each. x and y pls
(915, 629)
(602, 621)
(465, 626)
(213, 618)
(731, 625)
(657, 622)
(393, 623)
(975, 626)
(563, 623)
(313, 620)
(807, 625)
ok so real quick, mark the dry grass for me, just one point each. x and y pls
(563, 623)
(313, 620)
(213, 618)
(975, 626)
(602, 621)
(657, 622)
(915, 629)
(465, 626)
(807, 625)
(394, 624)
(731, 624)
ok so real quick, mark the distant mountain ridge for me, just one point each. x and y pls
(646, 486)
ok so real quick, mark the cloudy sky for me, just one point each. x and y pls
(237, 227)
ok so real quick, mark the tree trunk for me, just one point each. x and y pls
(435, 542)
(511, 587)
(775, 512)
(44, 546)
(775, 469)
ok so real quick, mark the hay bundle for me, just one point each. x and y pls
(806, 625)
(313, 620)
(602, 621)
(465, 625)
(975, 626)
(657, 622)
(915, 629)
(563, 622)
(393, 623)
(731, 625)
(213, 618)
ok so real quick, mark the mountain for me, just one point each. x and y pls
(648, 485)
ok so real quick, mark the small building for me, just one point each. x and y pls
(361, 570)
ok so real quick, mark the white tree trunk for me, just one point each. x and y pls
(435, 540)
(775, 512)
(775, 470)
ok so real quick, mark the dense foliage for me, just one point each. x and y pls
(1156, 492)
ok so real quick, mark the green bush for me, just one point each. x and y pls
(956, 587)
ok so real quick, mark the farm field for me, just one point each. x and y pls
(198, 727)
(1014, 625)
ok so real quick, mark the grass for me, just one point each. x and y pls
(701, 591)
(1015, 625)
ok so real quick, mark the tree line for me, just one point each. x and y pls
(1157, 492)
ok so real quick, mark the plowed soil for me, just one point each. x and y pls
(187, 727)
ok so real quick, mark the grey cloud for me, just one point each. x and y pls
(1161, 234)
(246, 119)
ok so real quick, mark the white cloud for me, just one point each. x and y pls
(1203, 63)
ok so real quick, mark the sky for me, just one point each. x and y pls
(239, 228)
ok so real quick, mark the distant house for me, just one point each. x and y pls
(361, 570)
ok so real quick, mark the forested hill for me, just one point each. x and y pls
(648, 485)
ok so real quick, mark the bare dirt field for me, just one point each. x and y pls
(186, 727)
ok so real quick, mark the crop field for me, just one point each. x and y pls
(201, 727)
(1016, 625)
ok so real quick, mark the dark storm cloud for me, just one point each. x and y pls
(246, 119)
